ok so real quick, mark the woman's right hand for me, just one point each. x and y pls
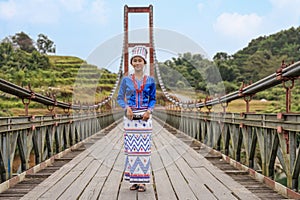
(129, 113)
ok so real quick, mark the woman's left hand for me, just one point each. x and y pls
(146, 116)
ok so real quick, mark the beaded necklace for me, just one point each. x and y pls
(136, 85)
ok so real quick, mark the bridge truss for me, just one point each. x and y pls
(282, 75)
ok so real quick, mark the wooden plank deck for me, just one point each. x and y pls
(178, 172)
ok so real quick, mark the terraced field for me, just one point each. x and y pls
(67, 77)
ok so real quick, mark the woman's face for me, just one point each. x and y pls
(138, 63)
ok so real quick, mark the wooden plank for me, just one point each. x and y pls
(125, 193)
(93, 189)
(236, 188)
(180, 185)
(59, 174)
(163, 186)
(95, 185)
(55, 177)
(98, 157)
(188, 154)
(149, 194)
(77, 186)
(60, 187)
(193, 158)
(218, 189)
(111, 187)
(195, 183)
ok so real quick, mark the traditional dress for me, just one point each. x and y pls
(140, 95)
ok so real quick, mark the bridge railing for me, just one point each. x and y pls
(28, 140)
(258, 141)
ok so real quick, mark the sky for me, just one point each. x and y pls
(78, 27)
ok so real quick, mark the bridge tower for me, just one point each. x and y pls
(149, 44)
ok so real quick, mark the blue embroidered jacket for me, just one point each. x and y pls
(129, 96)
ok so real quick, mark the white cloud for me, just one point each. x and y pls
(99, 10)
(285, 11)
(32, 11)
(200, 6)
(286, 5)
(7, 9)
(235, 25)
(96, 12)
(49, 12)
(73, 5)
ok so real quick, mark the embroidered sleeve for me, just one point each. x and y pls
(152, 95)
(121, 94)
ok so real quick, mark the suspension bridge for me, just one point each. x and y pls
(195, 154)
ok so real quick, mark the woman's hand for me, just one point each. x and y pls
(146, 115)
(129, 113)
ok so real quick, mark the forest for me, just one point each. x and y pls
(24, 62)
(227, 73)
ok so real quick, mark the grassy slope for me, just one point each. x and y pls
(66, 73)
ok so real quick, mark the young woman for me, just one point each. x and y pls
(137, 96)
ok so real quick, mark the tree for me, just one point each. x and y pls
(221, 56)
(38, 60)
(227, 72)
(45, 45)
(24, 42)
(6, 52)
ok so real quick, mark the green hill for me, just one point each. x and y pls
(262, 57)
(60, 76)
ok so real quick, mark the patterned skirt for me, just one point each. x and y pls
(137, 147)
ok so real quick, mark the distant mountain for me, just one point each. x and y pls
(262, 56)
